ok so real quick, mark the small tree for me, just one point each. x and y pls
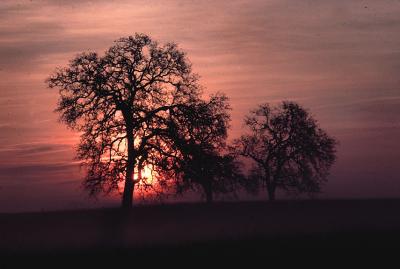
(288, 148)
(200, 136)
(212, 172)
(121, 103)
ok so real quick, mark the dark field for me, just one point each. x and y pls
(237, 230)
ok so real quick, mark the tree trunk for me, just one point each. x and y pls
(209, 197)
(271, 186)
(127, 197)
(208, 191)
(271, 193)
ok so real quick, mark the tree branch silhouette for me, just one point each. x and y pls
(122, 103)
(200, 134)
(288, 148)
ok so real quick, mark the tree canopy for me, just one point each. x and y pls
(139, 106)
(289, 149)
(124, 104)
(200, 135)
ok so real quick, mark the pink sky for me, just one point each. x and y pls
(340, 59)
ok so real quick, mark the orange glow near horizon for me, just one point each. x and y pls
(148, 178)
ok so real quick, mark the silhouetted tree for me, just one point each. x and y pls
(289, 149)
(122, 103)
(200, 135)
(213, 172)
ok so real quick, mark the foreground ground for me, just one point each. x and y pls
(237, 229)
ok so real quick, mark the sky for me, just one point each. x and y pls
(339, 59)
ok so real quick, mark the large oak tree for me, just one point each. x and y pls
(122, 103)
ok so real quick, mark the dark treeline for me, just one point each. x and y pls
(145, 125)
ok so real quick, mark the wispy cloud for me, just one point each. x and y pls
(43, 171)
(33, 149)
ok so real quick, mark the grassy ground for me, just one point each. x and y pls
(197, 231)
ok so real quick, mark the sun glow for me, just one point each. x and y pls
(147, 175)
(145, 182)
